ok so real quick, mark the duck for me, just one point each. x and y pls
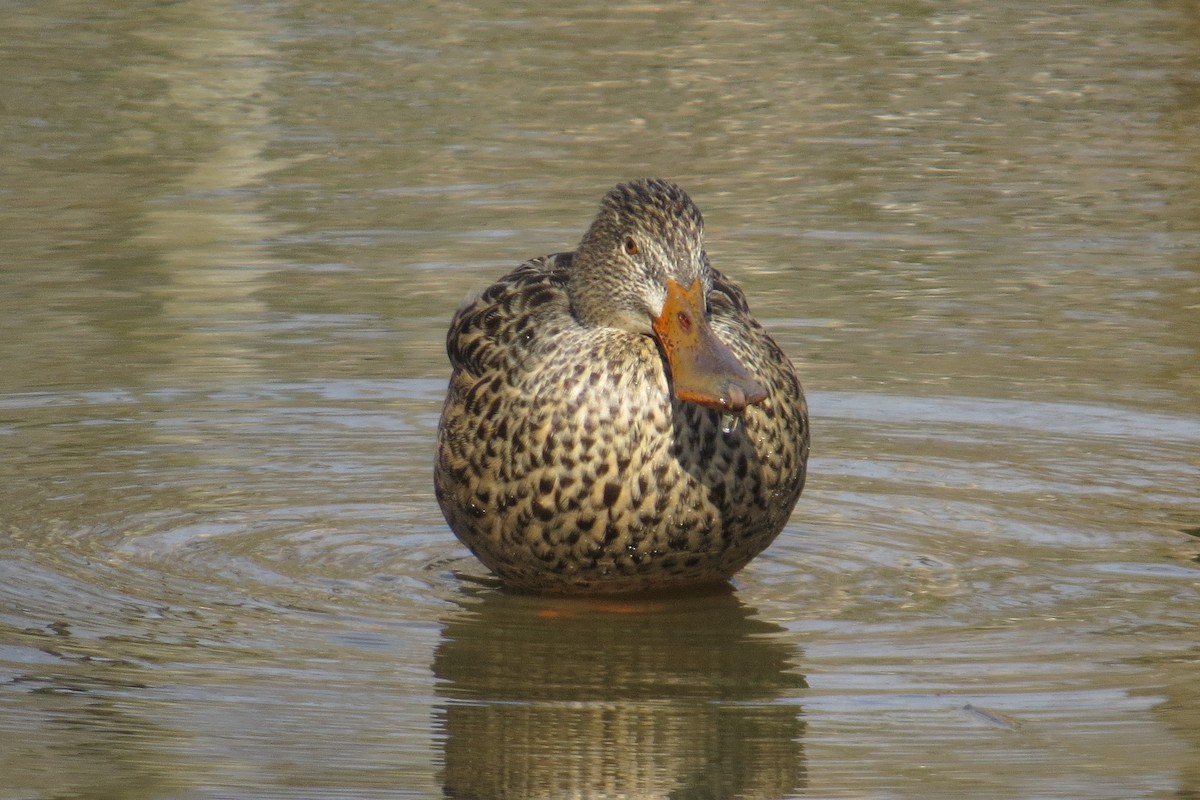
(617, 421)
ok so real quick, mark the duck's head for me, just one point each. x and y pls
(642, 267)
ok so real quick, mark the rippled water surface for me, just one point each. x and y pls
(233, 235)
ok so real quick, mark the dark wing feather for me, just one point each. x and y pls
(495, 329)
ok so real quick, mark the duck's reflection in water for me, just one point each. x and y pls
(682, 697)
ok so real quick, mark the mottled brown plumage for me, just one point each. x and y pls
(567, 461)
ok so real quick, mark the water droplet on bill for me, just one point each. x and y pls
(730, 422)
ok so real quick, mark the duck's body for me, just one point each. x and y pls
(567, 461)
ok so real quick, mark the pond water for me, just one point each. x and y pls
(234, 234)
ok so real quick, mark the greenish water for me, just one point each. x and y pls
(232, 236)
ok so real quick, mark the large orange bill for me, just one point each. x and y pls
(703, 369)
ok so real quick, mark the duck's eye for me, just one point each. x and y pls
(631, 246)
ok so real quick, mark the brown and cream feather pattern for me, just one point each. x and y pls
(566, 463)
